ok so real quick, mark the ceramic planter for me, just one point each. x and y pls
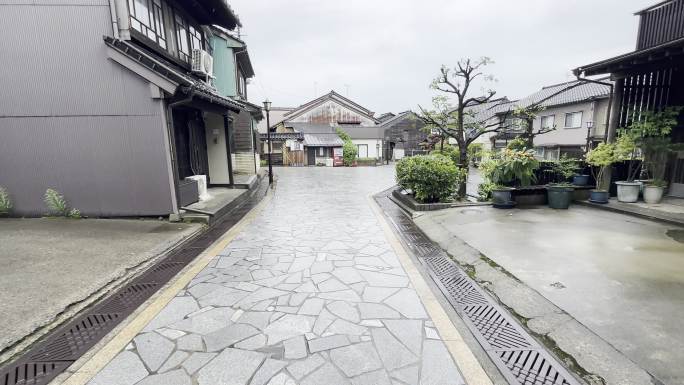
(653, 194)
(580, 180)
(628, 192)
(559, 196)
(599, 196)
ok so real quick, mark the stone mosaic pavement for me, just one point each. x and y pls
(309, 293)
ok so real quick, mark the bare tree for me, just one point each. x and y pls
(459, 119)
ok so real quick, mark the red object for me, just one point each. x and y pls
(338, 160)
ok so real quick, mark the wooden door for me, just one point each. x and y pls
(311, 156)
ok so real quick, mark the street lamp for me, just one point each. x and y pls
(267, 108)
(590, 125)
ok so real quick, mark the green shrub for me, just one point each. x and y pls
(264, 162)
(5, 202)
(366, 161)
(58, 206)
(432, 178)
(510, 168)
(450, 152)
(349, 150)
(565, 167)
(517, 144)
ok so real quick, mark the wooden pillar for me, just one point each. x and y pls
(613, 122)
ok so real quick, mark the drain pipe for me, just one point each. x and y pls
(115, 19)
(610, 101)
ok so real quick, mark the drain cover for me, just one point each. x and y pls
(518, 356)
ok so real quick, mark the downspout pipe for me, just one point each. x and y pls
(610, 101)
(115, 19)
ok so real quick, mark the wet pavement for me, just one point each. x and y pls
(622, 277)
(309, 293)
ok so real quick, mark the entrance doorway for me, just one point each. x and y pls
(311, 156)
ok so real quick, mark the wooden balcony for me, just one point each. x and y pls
(660, 23)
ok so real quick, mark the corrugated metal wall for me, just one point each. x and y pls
(73, 120)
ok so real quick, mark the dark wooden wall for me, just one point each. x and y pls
(242, 132)
(408, 129)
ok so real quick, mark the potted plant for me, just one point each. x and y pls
(501, 196)
(600, 158)
(626, 148)
(560, 195)
(653, 191)
(506, 170)
(650, 134)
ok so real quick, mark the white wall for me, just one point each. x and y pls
(216, 152)
(570, 136)
(372, 149)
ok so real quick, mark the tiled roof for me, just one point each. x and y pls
(364, 132)
(282, 136)
(322, 140)
(566, 93)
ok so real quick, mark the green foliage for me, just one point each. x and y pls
(432, 178)
(601, 157)
(5, 202)
(450, 152)
(58, 206)
(349, 149)
(510, 167)
(517, 144)
(263, 162)
(565, 167)
(475, 152)
(484, 191)
(366, 161)
(658, 183)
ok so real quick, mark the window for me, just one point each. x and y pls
(147, 18)
(188, 36)
(547, 122)
(321, 151)
(362, 151)
(573, 119)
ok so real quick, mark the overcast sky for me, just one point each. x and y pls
(384, 53)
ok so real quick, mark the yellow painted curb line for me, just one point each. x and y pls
(98, 361)
(470, 368)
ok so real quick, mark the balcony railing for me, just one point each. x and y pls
(661, 23)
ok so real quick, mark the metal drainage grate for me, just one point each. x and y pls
(60, 348)
(517, 355)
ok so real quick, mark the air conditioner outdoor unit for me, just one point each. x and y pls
(202, 62)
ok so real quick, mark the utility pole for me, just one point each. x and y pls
(267, 107)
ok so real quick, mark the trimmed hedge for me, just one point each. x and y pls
(432, 178)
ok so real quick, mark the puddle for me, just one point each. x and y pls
(677, 235)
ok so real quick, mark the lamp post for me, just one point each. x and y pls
(590, 125)
(267, 107)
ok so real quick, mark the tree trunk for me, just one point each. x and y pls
(530, 133)
(441, 144)
(463, 163)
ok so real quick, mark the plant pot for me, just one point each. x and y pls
(653, 194)
(580, 180)
(599, 196)
(501, 198)
(559, 196)
(628, 192)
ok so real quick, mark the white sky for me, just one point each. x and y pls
(386, 52)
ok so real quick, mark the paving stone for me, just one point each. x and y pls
(226, 262)
(196, 361)
(282, 379)
(342, 295)
(312, 306)
(438, 367)
(257, 319)
(371, 261)
(431, 333)
(307, 287)
(289, 325)
(125, 369)
(322, 267)
(406, 301)
(340, 326)
(347, 275)
(373, 378)
(356, 359)
(206, 322)
(323, 321)
(301, 263)
(331, 284)
(409, 375)
(191, 342)
(230, 367)
(262, 294)
(300, 369)
(392, 352)
(174, 311)
(409, 332)
(171, 334)
(252, 343)
(228, 336)
(224, 296)
(326, 374)
(318, 278)
(295, 348)
(359, 287)
(174, 361)
(153, 349)
(204, 288)
(372, 322)
(327, 343)
(267, 370)
(298, 298)
(344, 310)
(176, 377)
(377, 294)
(385, 280)
(376, 310)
